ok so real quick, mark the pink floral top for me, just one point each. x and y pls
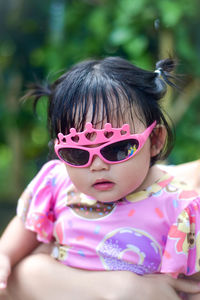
(155, 230)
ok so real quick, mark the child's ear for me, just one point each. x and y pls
(158, 138)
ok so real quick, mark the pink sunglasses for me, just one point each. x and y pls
(117, 144)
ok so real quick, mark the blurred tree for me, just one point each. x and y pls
(21, 31)
(38, 39)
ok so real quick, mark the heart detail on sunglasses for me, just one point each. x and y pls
(108, 134)
(91, 136)
(75, 138)
(123, 132)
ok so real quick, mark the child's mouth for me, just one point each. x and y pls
(103, 185)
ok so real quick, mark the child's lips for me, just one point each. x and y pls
(103, 185)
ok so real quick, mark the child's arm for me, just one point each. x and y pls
(15, 243)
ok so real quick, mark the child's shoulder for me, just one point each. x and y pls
(177, 184)
(52, 167)
(165, 190)
(52, 164)
(51, 171)
(176, 196)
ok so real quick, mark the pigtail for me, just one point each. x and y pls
(36, 91)
(167, 65)
(163, 71)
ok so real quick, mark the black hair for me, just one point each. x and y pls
(109, 88)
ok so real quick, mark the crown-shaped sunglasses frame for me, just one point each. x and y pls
(100, 137)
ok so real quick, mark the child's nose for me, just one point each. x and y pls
(98, 164)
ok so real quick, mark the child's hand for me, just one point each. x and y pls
(5, 270)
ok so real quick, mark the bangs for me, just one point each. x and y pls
(97, 100)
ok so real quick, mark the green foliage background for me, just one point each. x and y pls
(41, 39)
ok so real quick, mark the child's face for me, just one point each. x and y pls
(110, 182)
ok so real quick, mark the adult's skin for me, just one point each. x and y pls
(188, 172)
(40, 277)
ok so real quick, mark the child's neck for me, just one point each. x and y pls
(152, 177)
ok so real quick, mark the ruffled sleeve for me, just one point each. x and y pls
(182, 250)
(35, 206)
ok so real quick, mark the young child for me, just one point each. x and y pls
(105, 203)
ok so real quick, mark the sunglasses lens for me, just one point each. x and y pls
(73, 156)
(120, 150)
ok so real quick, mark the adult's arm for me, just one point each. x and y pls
(40, 277)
